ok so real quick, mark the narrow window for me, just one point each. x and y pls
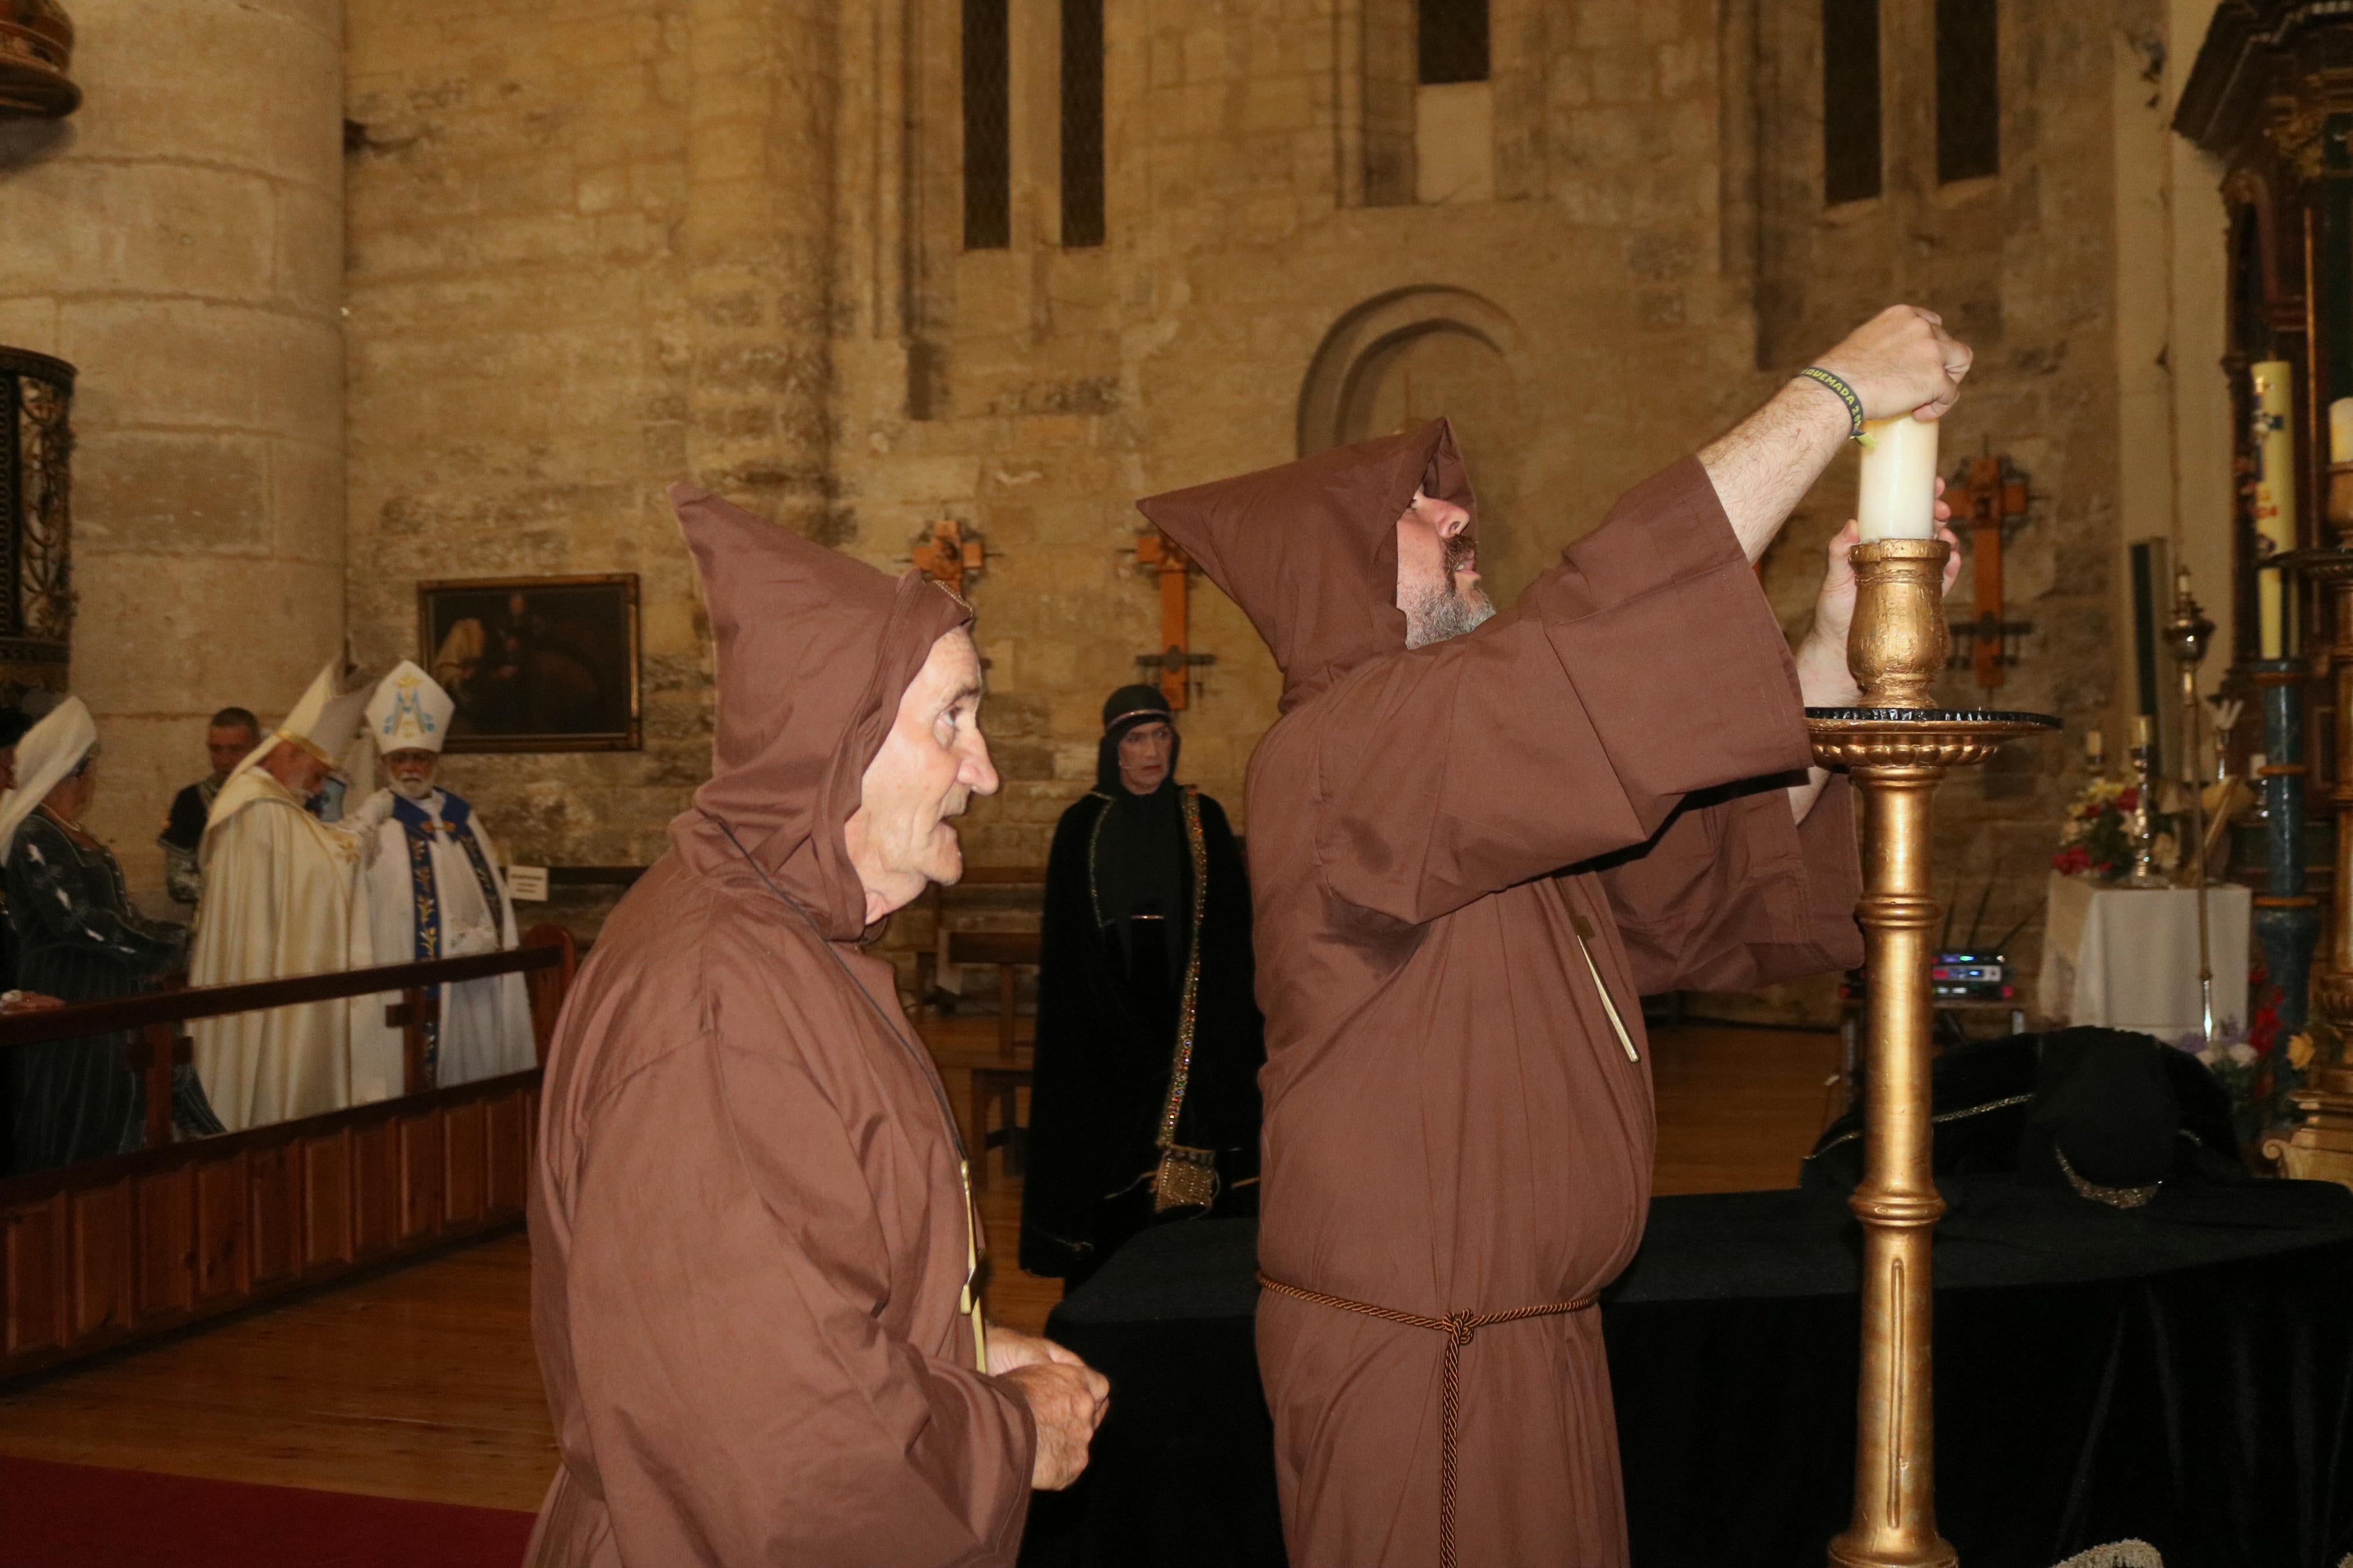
(1083, 122)
(1968, 90)
(1849, 100)
(987, 143)
(1453, 41)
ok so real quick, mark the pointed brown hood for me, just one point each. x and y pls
(1309, 550)
(815, 650)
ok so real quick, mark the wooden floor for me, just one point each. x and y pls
(421, 1383)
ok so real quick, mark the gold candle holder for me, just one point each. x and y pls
(1898, 747)
(1899, 641)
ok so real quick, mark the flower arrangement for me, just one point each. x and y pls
(2252, 1065)
(2095, 839)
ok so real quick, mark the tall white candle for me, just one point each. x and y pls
(1898, 497)
(2275, 495)
(2340, 430)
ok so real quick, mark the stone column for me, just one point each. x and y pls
(759, 240)
(180, 239)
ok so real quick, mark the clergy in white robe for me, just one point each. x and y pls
(435, 889)
(283, 896)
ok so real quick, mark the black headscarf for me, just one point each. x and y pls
(1141, 867)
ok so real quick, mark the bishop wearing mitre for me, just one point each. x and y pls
(434, 889)
(284, 896)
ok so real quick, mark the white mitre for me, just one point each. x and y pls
(322, 723)
(409, 711)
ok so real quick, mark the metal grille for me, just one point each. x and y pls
(1968, 89)
(1453, 40)
(988, 142)
(1849, 100)
(1083, 122)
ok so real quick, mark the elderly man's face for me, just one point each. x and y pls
(1144, 753)
(1438, 578)
(932, 763)
(227, 745)
(297, 769)
(412, 770)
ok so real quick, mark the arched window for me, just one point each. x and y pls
(1452, 41)
(1851, 156)
(1968, 90)
(988, 138)
(1083, 122)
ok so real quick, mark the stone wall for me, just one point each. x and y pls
(601, 245)
(180, 239)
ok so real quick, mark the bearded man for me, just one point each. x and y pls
(1475, 844)
(434, 886)
(752, 1244)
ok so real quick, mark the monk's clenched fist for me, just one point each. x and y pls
(1901, 360)
(1066, 1402)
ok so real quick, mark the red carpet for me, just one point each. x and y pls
(79, 1516)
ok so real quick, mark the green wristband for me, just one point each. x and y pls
(1837, 384)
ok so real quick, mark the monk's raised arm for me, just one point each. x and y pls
(1647, 666)
(745, 1402)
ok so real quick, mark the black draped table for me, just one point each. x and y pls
(2181, 1374)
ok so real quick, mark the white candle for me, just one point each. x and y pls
(1898, 498)
(2340, 430)
(2275, 495)
(2094, 748)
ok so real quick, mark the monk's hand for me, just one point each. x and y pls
(1010, 1348)
(1901, 360)
(1066, 1404)
(1822, 674)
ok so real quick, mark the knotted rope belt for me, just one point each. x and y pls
(1458, 1328)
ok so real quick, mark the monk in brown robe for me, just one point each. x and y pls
(752, 1241)
(1473, 846)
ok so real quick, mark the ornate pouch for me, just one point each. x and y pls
(1188, 1179)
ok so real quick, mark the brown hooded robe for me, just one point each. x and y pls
(749, 1229)
(1452, 1124)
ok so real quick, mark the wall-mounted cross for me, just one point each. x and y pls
(1989, 497)
(1161, 558)
(949, 556)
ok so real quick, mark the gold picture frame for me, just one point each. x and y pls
(535, 664)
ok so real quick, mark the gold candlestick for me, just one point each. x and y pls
(2185, 635)
(1898, 748)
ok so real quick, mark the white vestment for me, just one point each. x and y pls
(485, 1024)
(282, 897)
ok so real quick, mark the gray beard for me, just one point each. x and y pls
(421, 790)
(1444, 613)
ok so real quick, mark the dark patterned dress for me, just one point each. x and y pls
(78, 939)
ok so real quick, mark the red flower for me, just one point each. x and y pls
(2130, 799)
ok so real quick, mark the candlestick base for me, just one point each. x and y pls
(1896, 758)
(1898, 643)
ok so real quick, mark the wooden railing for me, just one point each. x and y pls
(116, 1250)
(155, 1016)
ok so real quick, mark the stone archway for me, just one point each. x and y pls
(1412, 354)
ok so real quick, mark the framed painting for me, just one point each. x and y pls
(534, 664)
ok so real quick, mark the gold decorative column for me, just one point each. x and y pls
(1896, 749)
(2321, 1148)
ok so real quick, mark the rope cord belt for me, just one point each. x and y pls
(1458, 1328)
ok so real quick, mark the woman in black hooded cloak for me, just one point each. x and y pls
(1145, 1105)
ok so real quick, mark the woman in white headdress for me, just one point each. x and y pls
(78, 939)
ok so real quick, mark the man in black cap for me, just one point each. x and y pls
(1145, 1105)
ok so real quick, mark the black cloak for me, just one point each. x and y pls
(1110, 1012)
